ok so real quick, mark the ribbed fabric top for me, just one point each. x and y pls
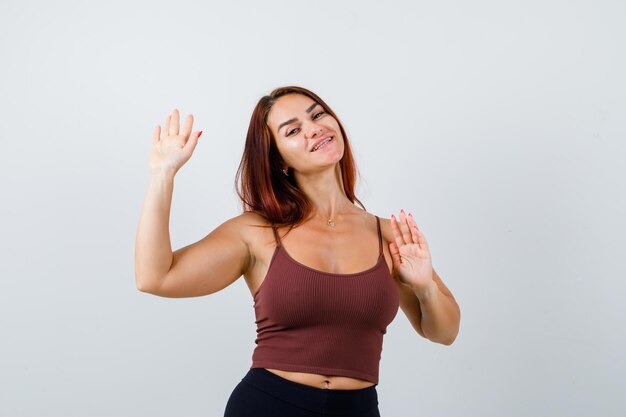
(324, 323)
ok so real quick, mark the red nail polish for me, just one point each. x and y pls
(199, 133)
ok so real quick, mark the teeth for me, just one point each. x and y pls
(322, 143)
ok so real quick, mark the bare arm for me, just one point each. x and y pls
(434, 314)
(207, 266)
(202, 268)
(440, 312)
(153, 250)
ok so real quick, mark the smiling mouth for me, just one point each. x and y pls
(324, 143)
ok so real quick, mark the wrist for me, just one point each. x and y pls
(425, 293)
(162, 175)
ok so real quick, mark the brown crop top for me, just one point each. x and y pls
(324, 323)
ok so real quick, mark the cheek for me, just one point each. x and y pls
(292, 146)
(289, 148)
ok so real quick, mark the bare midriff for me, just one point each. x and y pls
(323, 381)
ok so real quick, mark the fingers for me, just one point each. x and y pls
(405, 230)
(397, 233)
(187, 126)
(192, 141)
(156, 135)
(174, 123)
(418, 236)
(413, 228)
(401, 229)
(166, 128)
(395, 253)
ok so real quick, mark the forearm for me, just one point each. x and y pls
(440, 314)
(153, 249)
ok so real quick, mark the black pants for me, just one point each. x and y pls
(264, 394)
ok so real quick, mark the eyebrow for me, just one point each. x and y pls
(295, 118)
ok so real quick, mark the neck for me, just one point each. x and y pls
(325, 191)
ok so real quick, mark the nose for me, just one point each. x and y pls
(314, 130)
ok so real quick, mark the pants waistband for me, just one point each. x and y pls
(320, 400)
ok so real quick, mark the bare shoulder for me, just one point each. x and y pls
(250, 223)
(385, 228)
(254, 229)
(249, 219)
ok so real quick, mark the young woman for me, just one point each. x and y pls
(326, 276)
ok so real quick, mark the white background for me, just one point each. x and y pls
(498, 124)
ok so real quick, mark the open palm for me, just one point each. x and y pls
(172, 148)
(410, 252)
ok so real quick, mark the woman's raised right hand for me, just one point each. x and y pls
(172, 149)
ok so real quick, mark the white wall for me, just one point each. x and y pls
(500, 125)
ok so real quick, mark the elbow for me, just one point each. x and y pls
(147, 281)
(452, 337)
(448, 337)
(144, 285)
(456, 324)
(448, 341)
(141, 286)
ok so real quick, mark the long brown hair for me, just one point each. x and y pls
(260, 183)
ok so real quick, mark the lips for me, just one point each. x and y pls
(322, 139)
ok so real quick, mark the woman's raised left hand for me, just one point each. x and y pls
(410, 253)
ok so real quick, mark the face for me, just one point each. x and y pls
(298, 124)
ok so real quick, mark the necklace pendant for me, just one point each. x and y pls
(330, 222)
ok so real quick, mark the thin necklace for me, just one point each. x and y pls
(330, 222)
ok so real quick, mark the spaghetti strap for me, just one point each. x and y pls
(276, 236)
(380, 237)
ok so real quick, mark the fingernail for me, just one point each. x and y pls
(199, 133)
(402, 211)
(410, 215)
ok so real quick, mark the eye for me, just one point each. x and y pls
(315, 117)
